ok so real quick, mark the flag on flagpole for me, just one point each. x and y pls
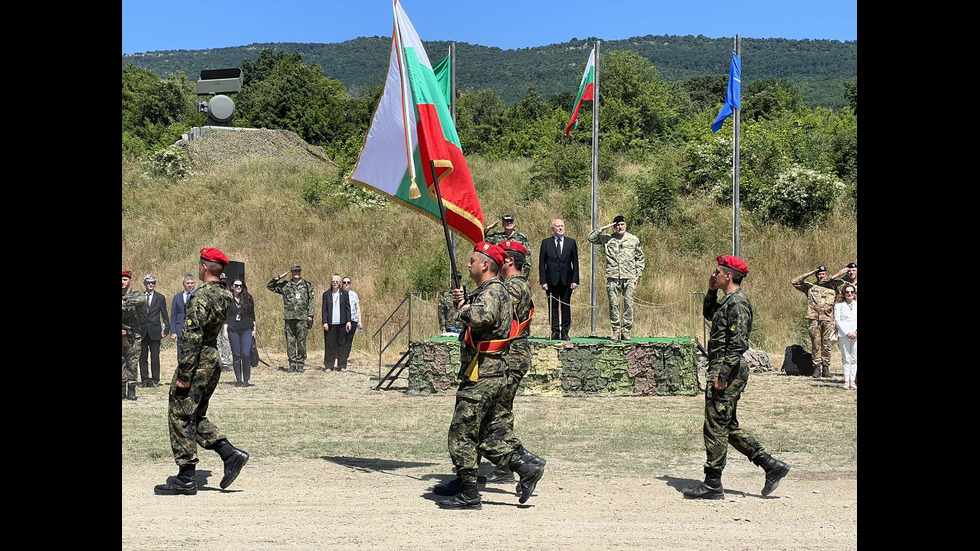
(733, 97)
(411, 127)
(586, 92)
(444, 77)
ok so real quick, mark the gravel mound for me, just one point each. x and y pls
(217, 146)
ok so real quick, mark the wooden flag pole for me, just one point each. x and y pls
(457, 280)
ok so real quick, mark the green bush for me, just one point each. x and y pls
(656, 193)
(168, 162)
(798, 197)
(429, 273)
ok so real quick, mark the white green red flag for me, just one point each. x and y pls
(586, 92)
(410, 127)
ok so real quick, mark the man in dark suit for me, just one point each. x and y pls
(154, 311)
(558, 271)
(177, 307)
(335, 313)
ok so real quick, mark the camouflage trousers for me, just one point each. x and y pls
(721, 426)
(618, 289)
(130, 358)
(821, 332)
(187, 415)
(296, 331)
(224, 351)
(500, 428)
(478, 404)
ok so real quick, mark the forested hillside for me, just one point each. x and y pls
(820, 68)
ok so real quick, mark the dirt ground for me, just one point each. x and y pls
(368, 504)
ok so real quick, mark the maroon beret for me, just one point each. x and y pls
(513, 246)
(733, 262)
(128, 273)
(214, 255)
(493, 251)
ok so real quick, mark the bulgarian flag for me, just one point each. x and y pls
(586, 92)
(411, 127)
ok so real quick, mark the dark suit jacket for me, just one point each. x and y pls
(555, 270)
(326, 309)
(157, 309)
(177, 313)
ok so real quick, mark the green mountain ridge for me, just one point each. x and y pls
(819, 67)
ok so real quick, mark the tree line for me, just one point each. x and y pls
(796, 161)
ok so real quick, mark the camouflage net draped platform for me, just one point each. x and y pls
(657, 366)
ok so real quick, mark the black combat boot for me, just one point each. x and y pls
(709, 489)
(131, 395)
(467, 498)
(233, 466)
(529, 467)
(775, 471)
(826, 371)
(534, 458)
(182, 484)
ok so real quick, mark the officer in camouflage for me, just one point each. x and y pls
(510, 234)
(518, 355)
(483, 375)
(298, 309)
(728, 373)
(132, 308)
(196, 377)
(448, 315)
(820, 299)
(624, 266)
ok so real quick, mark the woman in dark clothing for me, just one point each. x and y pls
(240, 329)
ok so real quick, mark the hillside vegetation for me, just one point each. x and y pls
(819, 67)
(270, 211)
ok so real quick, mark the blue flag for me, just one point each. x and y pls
(733, 98)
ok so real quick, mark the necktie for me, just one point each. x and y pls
(149, 296)
(559, 246)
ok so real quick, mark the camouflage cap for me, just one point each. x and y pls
(507, 218)
(295, 268)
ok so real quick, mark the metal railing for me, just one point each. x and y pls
(382, 345)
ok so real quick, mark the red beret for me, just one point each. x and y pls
(128, 273)
(214, 255)
(513, 246)
(733, 262)
(491, 250)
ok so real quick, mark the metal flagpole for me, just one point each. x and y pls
(735, 156)
(452, 101)
(595, 173)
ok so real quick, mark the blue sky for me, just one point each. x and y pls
(149, 25)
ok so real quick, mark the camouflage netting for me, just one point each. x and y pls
(583, 367)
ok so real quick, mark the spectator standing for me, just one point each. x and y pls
(155, 326)
(820, 299)
(335, 313)
(558, 273)
(846, 316)
(240, 328)
(624, 266)
(177, 307)
(448, 314)
(355, 318)
(297, 303)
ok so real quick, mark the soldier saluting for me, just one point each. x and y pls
(297, 305)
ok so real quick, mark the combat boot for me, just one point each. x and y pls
(709, 489)
(500, 476)
(775, 471)
(826, 371)
(233, 466)
(534, 458)
(467, 498)
(176, 486)
(626, 336)
(131, 395)
(529, 470)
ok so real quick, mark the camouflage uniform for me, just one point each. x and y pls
(448, 315)
(731, 324)
(489, 318)
(297, 302)
(820, 299)
(499, 237)
(132, 308)
(198, 364)
(624, 263)
(500, 429)
(838, 283)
